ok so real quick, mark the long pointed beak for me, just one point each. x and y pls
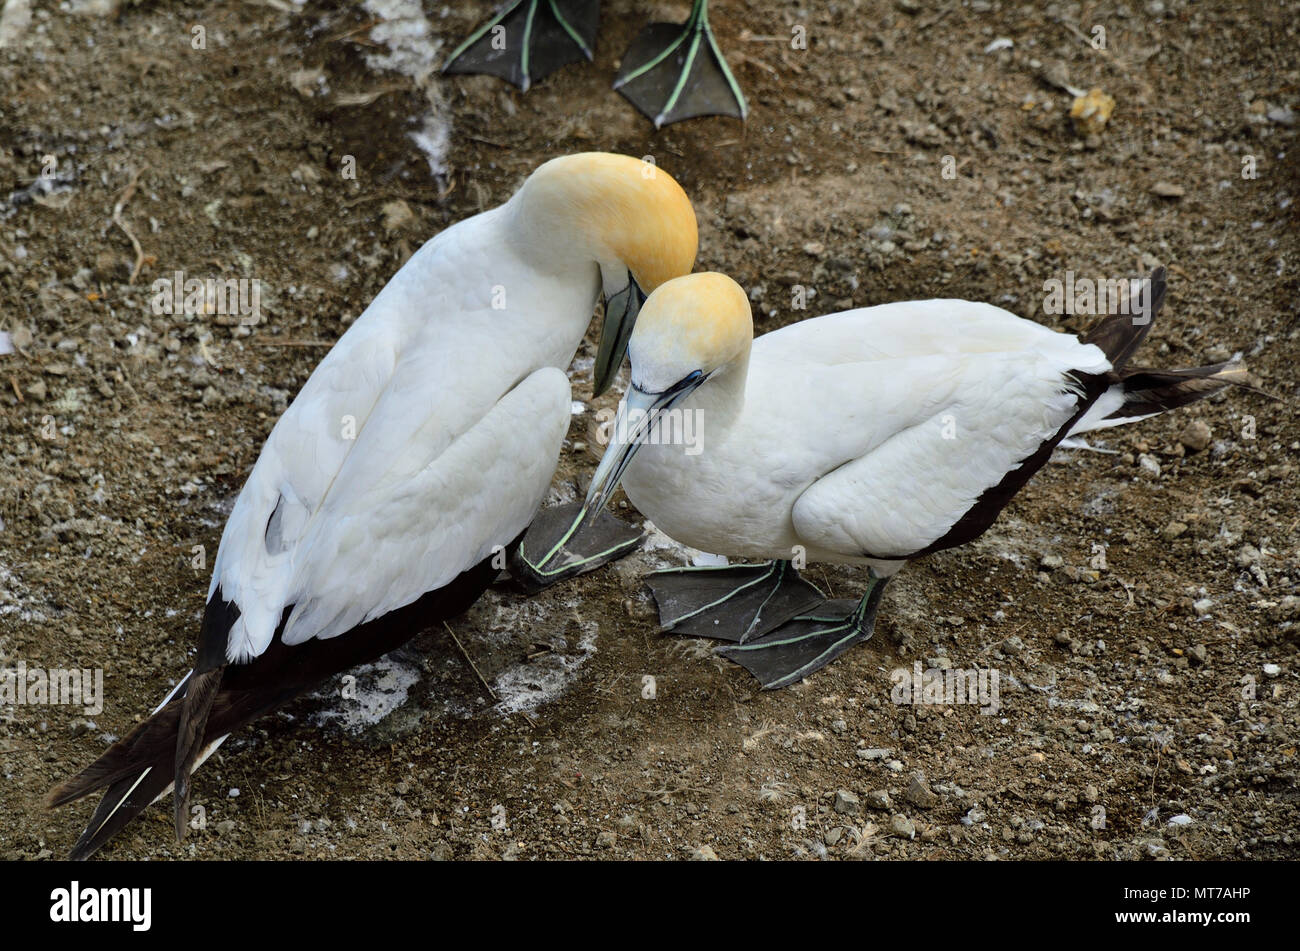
(620, 317)
(636, 416)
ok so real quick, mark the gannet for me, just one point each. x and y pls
(670, 72)
(416, 454)
(868, 437)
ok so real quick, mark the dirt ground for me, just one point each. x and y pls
(1140, 607)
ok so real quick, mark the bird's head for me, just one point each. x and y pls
(627, 215)
(690, 329)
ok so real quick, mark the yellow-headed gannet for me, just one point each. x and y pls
(414, 456)
(866, 437)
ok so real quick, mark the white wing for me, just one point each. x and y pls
(947, 396)
(419, 442)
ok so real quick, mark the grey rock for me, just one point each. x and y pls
(919, 793)
(902, 827)
(846, 802)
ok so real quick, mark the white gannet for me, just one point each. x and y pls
(416, 454)
(670, 72)
(868, 437)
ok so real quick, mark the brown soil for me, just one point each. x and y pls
(1135, 693)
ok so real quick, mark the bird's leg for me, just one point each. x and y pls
(673, 72)
(787, 654)
(566, 541)
(527, 40)
(730, 602)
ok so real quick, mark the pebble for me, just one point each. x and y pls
(1196, 436)
(1272, 670)
(1167, 190)
(874, 753)
(1248, 555)
(1149, 464)
(879, 799)
(704, 854)
(902, 827)
(846, 802)
(919, 794)
(397, 215)
(1174, 530)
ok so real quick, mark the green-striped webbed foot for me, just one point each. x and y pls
(730, 602)
(527, 40)
(673, 72)
(554, 549)
(787, 654)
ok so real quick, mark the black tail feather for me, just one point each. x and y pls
(1149, 391)
(150, 743)
(1120, 335)
(125, 799)
(193, 722)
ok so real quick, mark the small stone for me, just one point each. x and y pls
(1182, 819)
(1174, 530)
(704, 854)
(397, 216)
(1150, 465)
(1167, 190)
(1272, 670)
(919, 793)
(879, 799)
(606, 840)
(225, 827)
(874, 753)
(902, 827)
(1196, 436)
(846, 802)
(1091, 112)
(1248, 555)
(834, 835)
(1051, 562)
(1012, 645)
(1203, 605)
(1198, 654)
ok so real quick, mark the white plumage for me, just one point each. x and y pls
(427, 436)
(861, 436)
(420, 447)
(866, 437)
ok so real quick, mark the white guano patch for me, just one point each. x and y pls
(413, 51)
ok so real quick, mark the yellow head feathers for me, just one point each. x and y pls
(615, 208)
(697, 322)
